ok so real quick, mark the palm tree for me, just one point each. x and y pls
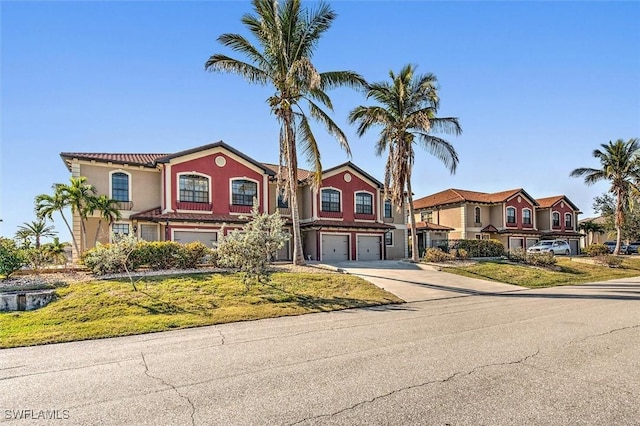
(407, 115)
(591, 228)
(620, 165)
(36, 230)
(287, 37)
(79, 195)
(47, 205)
(55, 251)
(107, 209)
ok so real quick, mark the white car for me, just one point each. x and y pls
(550, 246)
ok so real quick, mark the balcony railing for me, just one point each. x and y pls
(284, 211)
(239, 209)
(125, 205)
(192, 205)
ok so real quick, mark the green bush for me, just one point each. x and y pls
(433, 254)
(113, 258)
(517, 255)
(192, 254)
(541, 259)
(481, 248)
(11, 257)
(609, 260)
(597, 250)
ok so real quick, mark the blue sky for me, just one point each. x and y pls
(537, 86)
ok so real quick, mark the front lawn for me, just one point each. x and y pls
(97, 309)
(569, 273)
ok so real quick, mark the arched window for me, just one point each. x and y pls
(556, 219)
(526, 216)
(330, 200)
(364, 203)
(243, 192)
(511, 215)
(120, 186)
(568, 221)
(476, 215)
(194, 188)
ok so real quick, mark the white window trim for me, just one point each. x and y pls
(139, 233)
(118, 223)
(565, 220)
(320, 196)
(559, 219)
(111, 173)
(197, 174)
(384, 209)
(373, 201)
(530, 216)
(506, 215)
(244, 178)
(208, 230)
(393, 240)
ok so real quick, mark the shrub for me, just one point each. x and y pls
(191, 255)
(11, 258)
(113, 258)
(541, 259)
(481, 248)
(159, 255)
(250, 251)
(609, 260)
(462, 253)
(597, 250)
(517, 255)
(434, 254)
(36, 257)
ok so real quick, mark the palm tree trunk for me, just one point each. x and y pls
(73, 237)
(619, 220)
(95, 241)
(83, 229)
(412, 221)
(292, 174)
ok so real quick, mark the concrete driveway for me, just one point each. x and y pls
(416, 282)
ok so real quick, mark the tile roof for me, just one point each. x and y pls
(303, 174)
(453, 196)
(489, 228)
(138, 159)
(432, 227)
(345, 224)
(551, 201)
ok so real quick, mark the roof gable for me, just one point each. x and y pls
(454, 196)
(549, 202)
(333, 170)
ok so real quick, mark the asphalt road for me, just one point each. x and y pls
(567, 355)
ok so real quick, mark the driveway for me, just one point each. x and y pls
(416, 282)
(557, 356)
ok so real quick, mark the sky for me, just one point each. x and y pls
(537, 86)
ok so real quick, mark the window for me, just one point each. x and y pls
(511, 215)
(426, 216)
(120, 186)
(282, 203)
(149, 232)
(120, 229)
(364, 203)
(568, 222)
(388, 238)
(526, 216)
(194, 188)
(388, 209)
(556, 219)
(476, 215)
(243, 191)
(330, 200)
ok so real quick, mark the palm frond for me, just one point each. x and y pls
(223, 63)
(331, 127)
(333, 79)
(309, 146)
(441, 149)
(240, 44)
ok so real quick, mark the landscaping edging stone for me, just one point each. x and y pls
(25, 300)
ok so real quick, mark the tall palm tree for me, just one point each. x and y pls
(79, 195)
(620, 165)
(287, 37)
(107, 209)
(47, 205)
(35, 230)
(407, 110)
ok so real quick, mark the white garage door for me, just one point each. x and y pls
(368, 247)
(206, 238)
(335, 247)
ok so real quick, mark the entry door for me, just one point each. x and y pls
(368, 247)
(335, 247)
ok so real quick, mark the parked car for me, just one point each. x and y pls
(550, 246)
(632, 248)
(611, 245)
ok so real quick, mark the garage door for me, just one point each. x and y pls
(184, 237)
(575, 246)
(368, 247)
(335, 247)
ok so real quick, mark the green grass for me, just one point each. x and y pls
(569, 273)
(89, 310)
